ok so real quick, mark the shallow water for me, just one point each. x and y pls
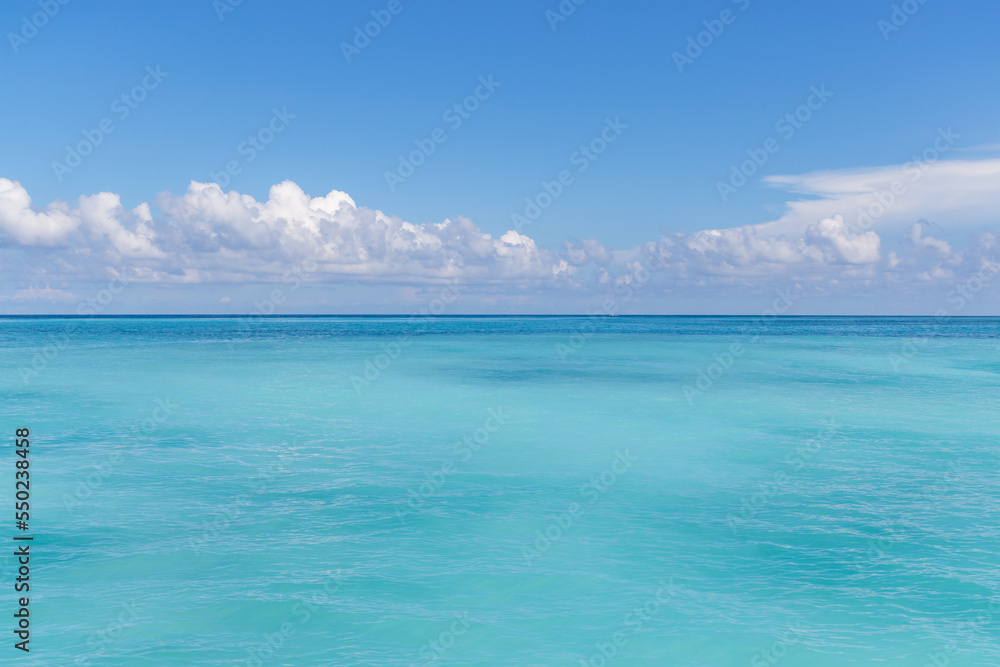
(508, 491)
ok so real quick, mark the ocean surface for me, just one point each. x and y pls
(682, 491)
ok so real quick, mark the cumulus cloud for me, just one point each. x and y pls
(738, 248)
(743, 253)
(97, 220)
(937, 246)
(840, 244)
(586, 251)
(19, 222)
(205, 235)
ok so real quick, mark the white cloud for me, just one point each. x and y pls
(742, 254)
(205, 235)
(958, 194)
(840, 244)
(742, 247)
(19, 221)
(41, 294)
(588, 250)
(96, 217)
(941, 248)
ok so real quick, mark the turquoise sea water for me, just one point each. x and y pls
(507, 491)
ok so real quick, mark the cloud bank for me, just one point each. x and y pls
(205, 236)
(210, 236)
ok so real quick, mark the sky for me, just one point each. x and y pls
(401, 156)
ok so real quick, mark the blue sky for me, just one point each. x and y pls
(345, 124)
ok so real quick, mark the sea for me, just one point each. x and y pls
(579, 491)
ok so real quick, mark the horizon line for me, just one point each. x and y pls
(454, 315)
